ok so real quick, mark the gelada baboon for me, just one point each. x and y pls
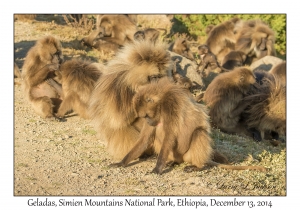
(92, 38)
(234, 59)
(185, 83)
(177, 126)
(221, 39)
(111, 107)
(254, 95)
(182, 47)
(117, 29)
(280, 71)
(187, 68)
(151, 34)
(208, 67)
(267, 111)
(106, 47)
(256, 39)
(208, 62)
(224, 98)
(132, 17)
(182, 81)
(78, 78)
(40, 64)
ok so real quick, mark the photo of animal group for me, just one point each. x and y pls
(161, 101)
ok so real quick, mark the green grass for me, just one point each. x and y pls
(89, 131)
(22, 165)
(31, 178)
(32, 120)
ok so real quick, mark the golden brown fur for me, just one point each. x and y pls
(111, 102)
(40, 64)
(221, 38)
(256, 39)
(117, 29)
(267, 111)
(280, 71)
(182, 81)
(224, 98)
(208, 62)
(188, 85)
(92, 38)
(182, 47)
(151, 34)
(234, 59)
(177, 126)
(133, 18)
(106, 47)
(78, 81)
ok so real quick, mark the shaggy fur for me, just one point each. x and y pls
(117, 29)
(256, 39)
(106, 47)
(78, 81)
(224, 97)
(280, 71)
(150, 34)
(182, 81)
(234, 59)
(111, 106)
(221, 38)
(182, 47)
(267, 112)
(209, 62)
(177, 126)
(40, 64)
